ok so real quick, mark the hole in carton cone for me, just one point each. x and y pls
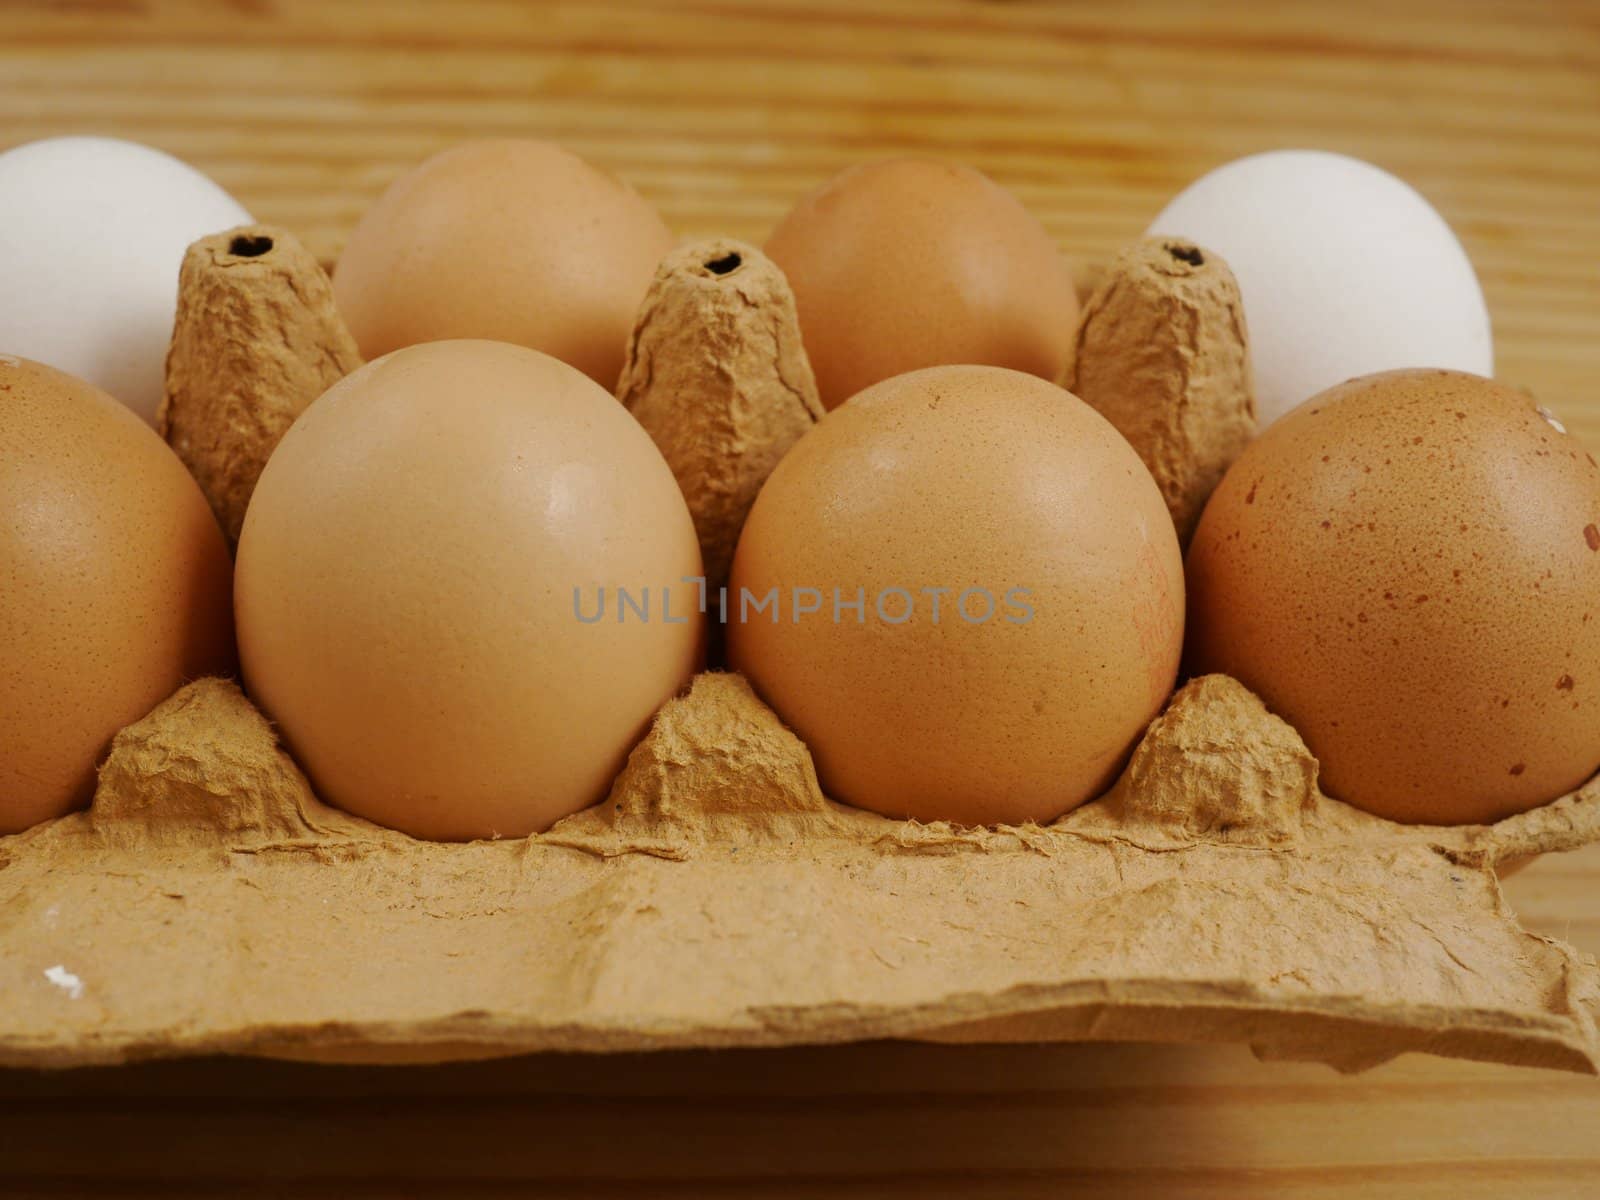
(726, 265)
(250, 245)
(1188, 254)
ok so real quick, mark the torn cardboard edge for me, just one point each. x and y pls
(209, 903)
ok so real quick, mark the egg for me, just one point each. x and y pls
(909, 263)
(430, 586)
(1407, 569)
(92, 233)
(1344, 270)
(963, 591)
(507, 239)
(114, 585)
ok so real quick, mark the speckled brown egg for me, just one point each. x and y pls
(114, 585)
(910, 263)
(1407, 568)
(509, 239)
(963, 590)
(429, 590)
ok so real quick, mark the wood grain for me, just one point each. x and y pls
(722, 113)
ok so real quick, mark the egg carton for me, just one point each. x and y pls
(208, 903)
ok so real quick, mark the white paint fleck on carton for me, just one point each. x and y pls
(65, 980)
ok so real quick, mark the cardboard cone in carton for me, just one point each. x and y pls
(257, 338)
(1162, 353)
(717, 375)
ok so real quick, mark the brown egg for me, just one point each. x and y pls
(1016, 691)
(419, 572)
(1407, 569)
(114, 585)
(905, 264)
(515, 240)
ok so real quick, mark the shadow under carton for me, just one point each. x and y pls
(209, 903)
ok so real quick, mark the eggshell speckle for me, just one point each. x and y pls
(975, 480)
(406, 590)
(114, 585)
(92, 233)
(515, 240)
(1407, 570)
(908, 263)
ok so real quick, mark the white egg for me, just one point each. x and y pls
(92, 233)
(1344, 270)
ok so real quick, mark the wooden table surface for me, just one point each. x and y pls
(722, 113)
